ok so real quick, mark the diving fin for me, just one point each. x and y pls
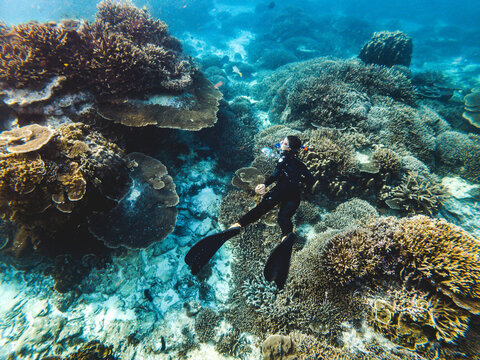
(201, 253)
(278, 263)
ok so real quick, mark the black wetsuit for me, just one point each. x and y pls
(289, 174)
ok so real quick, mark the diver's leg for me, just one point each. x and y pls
(268, 202)
(287, 210)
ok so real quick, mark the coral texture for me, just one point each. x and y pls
(388, 48)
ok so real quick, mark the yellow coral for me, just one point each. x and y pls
(444, 254)
(20, 173)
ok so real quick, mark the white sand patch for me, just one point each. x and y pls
(237, 46)
(458, 188)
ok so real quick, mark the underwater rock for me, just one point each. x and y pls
(193, 109)
(146, 214)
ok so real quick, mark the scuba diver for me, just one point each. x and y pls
(290, 173)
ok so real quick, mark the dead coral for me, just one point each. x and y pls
(416, 194)
(388, 48)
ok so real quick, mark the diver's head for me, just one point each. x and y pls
(291, 143)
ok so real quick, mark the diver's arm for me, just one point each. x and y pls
(274, 177)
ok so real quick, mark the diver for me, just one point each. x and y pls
(290, 175)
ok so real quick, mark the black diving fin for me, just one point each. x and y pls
(201, 253)
(278, 263)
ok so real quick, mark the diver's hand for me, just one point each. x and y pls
(260, 189)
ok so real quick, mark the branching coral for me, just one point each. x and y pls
(417, 320)
(386, 160)
(205, 324)
(330, 92)
(330, 158)
(416, 194)
(125, 51)
(444, 255)
(360, 252)
(388, 48)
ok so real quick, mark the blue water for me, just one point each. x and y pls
(142, 157)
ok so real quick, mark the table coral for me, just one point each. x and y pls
(25, 139)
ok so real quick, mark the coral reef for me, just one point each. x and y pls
(459, 153)
(416, 194)
(93, 350)
(388, 48)
(41, 187)
(278, 347)
(330, 92)
(146, 214)
(124, 51)
(472, 108)
(331, 159)
(205, 323)
(443, 255)
(386, 160)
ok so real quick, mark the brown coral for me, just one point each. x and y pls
(124, 51)
(472, 108)
(25, 139)
(444, 255)
(388, 48)
(416, 194)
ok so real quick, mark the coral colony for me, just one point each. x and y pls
(117, 154)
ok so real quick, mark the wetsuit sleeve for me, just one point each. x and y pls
(274, 177)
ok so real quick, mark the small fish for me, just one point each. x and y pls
(236, 71)
(218, 84)
(271, 5)
(184, 6)
(66, 64)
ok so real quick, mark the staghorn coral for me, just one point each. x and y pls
(416, 194)
(444, 255)
(387, 48)
(361, 252)
(205, 323)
